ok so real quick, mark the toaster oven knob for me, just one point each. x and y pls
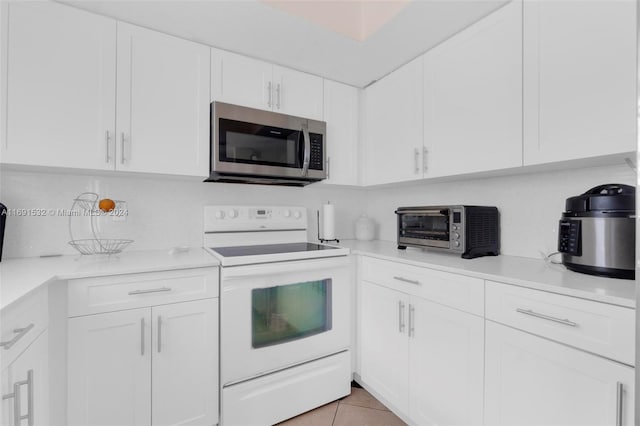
(297, 214)
(456, 236)
(233, 213)
(220, 214)
(286, 213)
(456, 243)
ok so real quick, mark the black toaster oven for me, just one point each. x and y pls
(472, 231)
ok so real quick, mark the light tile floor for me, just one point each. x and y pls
(357, 409)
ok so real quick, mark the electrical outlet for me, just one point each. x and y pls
(120, 213)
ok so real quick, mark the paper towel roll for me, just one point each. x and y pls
(328, 222)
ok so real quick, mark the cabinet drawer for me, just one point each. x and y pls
(114, 293)
(21, 323)
(458, 291)
(596, 327)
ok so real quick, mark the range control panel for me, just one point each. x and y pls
(569, 240)
(225, 218)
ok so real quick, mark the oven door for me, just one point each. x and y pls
(424, 227)
(253, 142)
(278, 315)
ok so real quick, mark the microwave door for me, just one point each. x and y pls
(254, 149)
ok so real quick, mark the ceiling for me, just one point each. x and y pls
(265, 30)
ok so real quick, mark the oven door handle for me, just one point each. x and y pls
(307, 150)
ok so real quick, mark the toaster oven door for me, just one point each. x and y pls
(428, 227)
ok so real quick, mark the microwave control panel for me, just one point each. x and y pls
(317, 154)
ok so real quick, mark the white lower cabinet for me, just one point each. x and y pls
(25, 386)
(423, 358)
(185, 363)
(155, 365)
(533, 381)
(446, 361)
(109, 365)
(384, 349)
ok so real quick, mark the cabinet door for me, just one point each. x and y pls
(579, 79)
(241, 80)
(60, 87)
(341, 115)
(393, 126)
(185, 363)
(109, 369)
(163, 103)
(384, 356)
(31, 371)
(473, 97)
(533, 381)
(446, 364)
(297, 93)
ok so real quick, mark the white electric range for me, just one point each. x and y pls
(284, 314)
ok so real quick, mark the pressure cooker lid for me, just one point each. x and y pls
(608, 197)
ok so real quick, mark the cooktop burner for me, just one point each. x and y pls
(270, 249)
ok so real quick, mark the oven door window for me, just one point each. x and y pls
(425, 227)
(290, 312)
(247, 143)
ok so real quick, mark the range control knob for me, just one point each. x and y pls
(286, 213)
(456, 243)
(297, 214)
(233, 213)
(219, 214)
(456, 235)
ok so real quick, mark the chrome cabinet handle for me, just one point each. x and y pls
(122, 156)
(107, 140)
(547, 317)
(412, 313)
(142, 337)
(307, 150)
(278, 95)
(152, 290)
(17, 401)
(416, 155)
(401, 324)
(269, 96)
(619, 392)
(159, 333)
(20, 333)
(328, 163)
(407, 280)
(425, 153)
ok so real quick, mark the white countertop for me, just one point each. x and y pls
(20, 277)
(521, 271)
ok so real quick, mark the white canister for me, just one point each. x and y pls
(365, 228)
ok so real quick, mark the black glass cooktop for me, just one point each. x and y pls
(269, 249)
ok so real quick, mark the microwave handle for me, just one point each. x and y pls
(307, 150)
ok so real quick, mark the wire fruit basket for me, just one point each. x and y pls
(86, 204)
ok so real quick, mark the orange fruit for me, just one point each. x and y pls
(106, 205)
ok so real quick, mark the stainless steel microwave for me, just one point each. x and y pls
(255, 146)
(471, 231)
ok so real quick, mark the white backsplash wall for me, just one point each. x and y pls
(530, 205)
(163, 212)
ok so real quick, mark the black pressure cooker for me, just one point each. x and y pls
(597, 233)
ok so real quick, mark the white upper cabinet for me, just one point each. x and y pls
(163, 103)
(298, 93)
(237, 79)
(473, 97)
(240, 80)
(579, 79)
(60, 86)
(341, 115)
(393, 120)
